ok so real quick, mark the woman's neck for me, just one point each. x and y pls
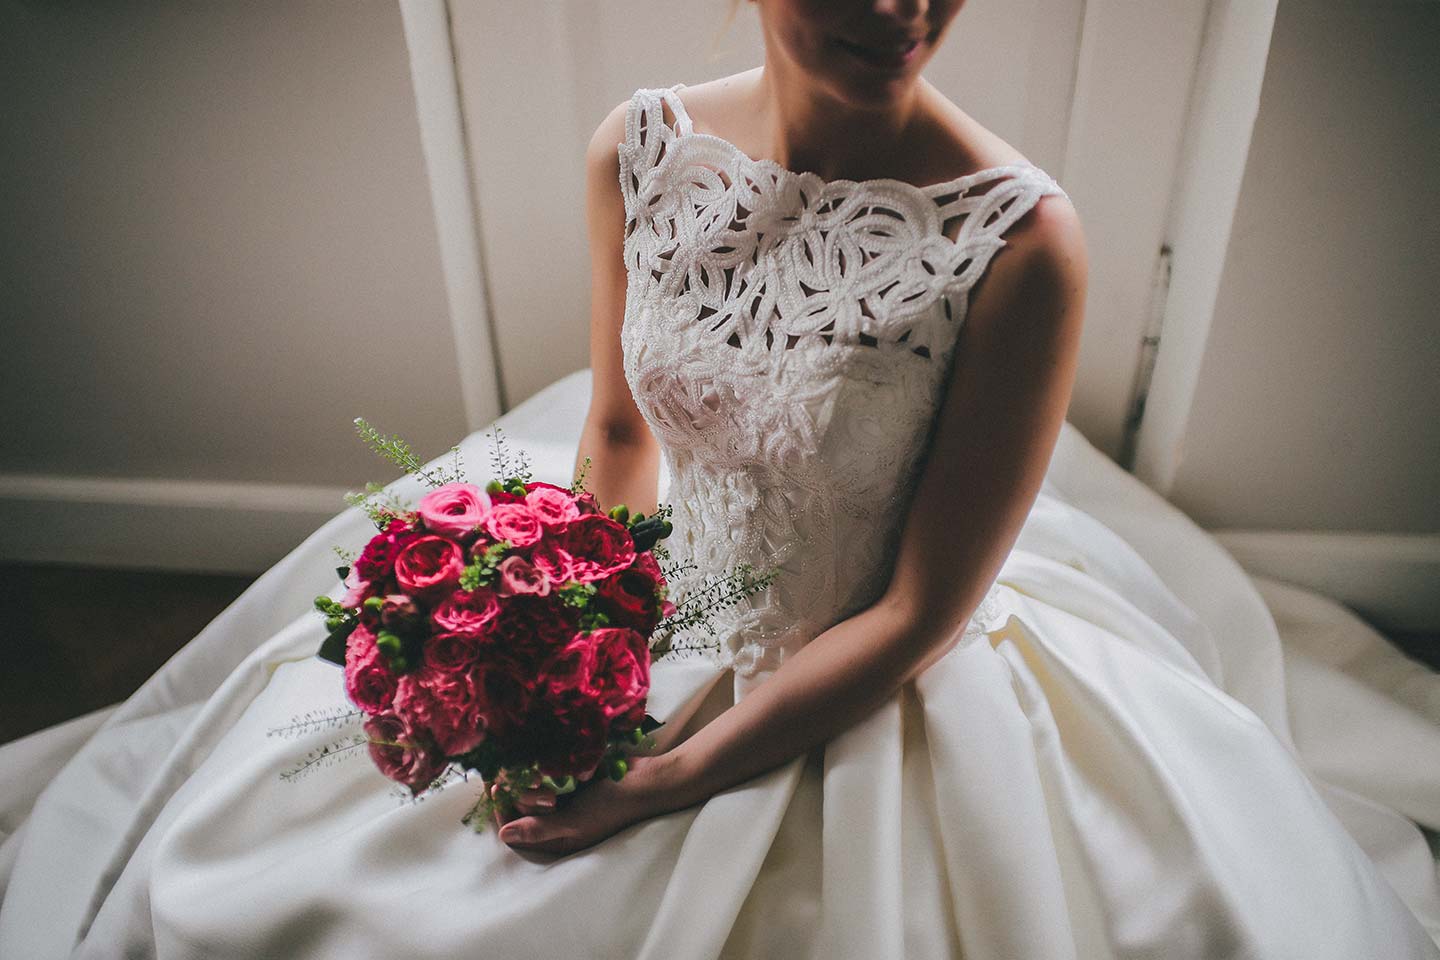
(811, 131)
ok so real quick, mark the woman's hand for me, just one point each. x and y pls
(597, 810)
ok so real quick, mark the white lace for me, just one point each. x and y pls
(787, 339)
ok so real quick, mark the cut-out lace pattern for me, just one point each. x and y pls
(787, 339)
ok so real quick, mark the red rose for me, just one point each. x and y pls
(553, 560)
(403, 753)
(428, 563)
(378, 557)
(629, 596)
(586, 503)
(598, 545)
(471, 613)
(507, 685)
(452, 652)
(570, 743)
(621, 676)
(530, 628)
(369, 682)
(568, 671)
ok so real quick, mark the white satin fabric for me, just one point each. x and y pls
(1141, 759)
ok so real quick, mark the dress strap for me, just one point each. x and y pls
(649, 130)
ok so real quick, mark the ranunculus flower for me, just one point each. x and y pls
(469, 613)
(428, 563)
(403, 753)
(621, 676)
(378, 558)
(553, 560)
(599, 546)
(369, 682)
(517, 575)
(554, 505)
(454, 510)
(515, 522)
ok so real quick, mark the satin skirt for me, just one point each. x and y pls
(1147, 753)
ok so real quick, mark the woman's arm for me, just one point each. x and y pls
(1011, 381)
(624, 456)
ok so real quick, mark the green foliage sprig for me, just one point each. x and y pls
(507, 463)
(714, 592)
(481, 570)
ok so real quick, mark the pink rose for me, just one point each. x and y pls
(403, 753)
(467, 613)
(518, 575)
(599, 546)
(369, 682)
(454, 510)
(515, 522)
(444, 703)
(356, 588)
(398, 609)
(555, 507)
(428, 563)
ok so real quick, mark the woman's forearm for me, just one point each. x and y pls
(624, 467)
(833, 682)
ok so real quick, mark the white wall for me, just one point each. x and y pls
(1312, 447)
(1011, 62)
(215, 224)
(1318, 394)
(217, 217)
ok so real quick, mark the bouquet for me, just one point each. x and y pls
(506, 630)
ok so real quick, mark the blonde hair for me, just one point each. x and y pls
(725, 27)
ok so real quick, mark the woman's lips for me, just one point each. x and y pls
(894, 55)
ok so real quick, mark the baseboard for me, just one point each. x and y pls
(190, 525)
(1390, 579)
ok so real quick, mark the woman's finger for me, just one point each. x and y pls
(535, 805)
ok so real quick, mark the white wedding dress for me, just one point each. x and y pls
(1127, 753)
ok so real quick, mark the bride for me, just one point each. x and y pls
(836, 322)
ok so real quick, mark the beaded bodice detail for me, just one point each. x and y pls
(787, 340)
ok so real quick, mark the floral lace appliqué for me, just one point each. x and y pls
(788, 339)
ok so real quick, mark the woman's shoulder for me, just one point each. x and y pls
(950, 143)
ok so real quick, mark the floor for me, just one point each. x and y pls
(87, 638)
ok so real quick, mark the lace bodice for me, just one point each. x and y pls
(788, 339)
